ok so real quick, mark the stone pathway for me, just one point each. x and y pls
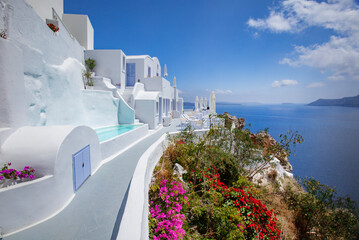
(95, 210)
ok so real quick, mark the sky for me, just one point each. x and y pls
(293, 51)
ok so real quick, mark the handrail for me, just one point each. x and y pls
(57, 17)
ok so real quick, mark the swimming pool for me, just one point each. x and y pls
(113, 131)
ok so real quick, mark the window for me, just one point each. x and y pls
(123, 63)
(157, 107)
(149, 72)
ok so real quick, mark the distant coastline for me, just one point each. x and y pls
(191, 104)
(342, 102)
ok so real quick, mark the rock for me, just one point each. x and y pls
(179, 171)
(267, 141)
(234, 121)
(274, 171)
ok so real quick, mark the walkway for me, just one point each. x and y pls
(93, 212)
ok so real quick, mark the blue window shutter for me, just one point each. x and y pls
(130, 74)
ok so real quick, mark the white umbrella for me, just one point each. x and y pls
(174, 82)
(213, 103)
(196, 103)
(201, 103)
(205, 103)
(165, 71)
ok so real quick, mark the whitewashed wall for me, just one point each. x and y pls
(142, 64)
(44, 7)
(52, 75)
(81, 28)
(12, 90)
(109, 63)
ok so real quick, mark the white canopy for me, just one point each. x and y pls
(196, 104)
(165, 71)
(213, 103)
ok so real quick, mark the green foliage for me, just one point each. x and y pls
(321, 214)
(88, 76)
(90, 64)
(237, 155)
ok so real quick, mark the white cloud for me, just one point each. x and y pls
(220, 91)
(315, 85)
(284, 83)
(180, 91)
(340, 55)
(275, 22)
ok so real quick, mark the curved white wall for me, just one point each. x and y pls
(49, 150)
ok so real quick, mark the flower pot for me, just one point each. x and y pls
(93, 74)
(89, 87)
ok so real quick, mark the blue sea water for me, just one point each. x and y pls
(330, 152)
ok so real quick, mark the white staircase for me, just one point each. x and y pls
(127, 96)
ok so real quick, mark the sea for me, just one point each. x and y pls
(330, 151)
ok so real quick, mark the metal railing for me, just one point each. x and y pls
(56, 16)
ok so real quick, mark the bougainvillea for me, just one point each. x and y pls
(259, 222)
(166, 219)
(53, 27)
(6, 173)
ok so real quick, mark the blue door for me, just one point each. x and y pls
(130, 74)
(160, 111)
(82, 166)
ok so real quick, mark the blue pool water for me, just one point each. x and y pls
(330, 152)
(113, 131)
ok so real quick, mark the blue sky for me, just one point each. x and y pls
(246, 51)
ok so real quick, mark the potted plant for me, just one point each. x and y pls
(90, 65)
(89, 79)
(53, 25)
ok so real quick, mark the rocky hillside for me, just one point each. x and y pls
(343, 102)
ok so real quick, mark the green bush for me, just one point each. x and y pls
(321, 214)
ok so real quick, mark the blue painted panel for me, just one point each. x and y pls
(130, 74)
(81, 166)
(86, 162)
(78, 173)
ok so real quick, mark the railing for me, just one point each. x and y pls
(56, 16)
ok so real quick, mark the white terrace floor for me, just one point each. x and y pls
(96, 211)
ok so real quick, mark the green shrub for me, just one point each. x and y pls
(321, 214)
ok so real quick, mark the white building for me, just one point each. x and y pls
(140, 83)
(47, 117)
